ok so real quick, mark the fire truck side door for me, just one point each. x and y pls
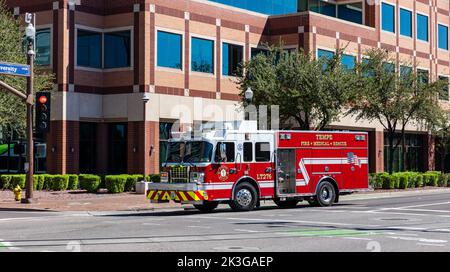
(286, 171)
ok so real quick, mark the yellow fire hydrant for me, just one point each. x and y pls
(17, 193)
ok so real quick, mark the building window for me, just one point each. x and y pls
(405, 72)
(423, 76)
(322, 7)
(165, 130)
(443, 36)
(117, 49)
(88, 147)
(117, 151)
(169, 50)
(422, 27)
(443, 94)
(202, 55)
(352, 12)
(321, 53)
(348, 61)
(414, 154)
(388, 17)
(89, 49)
(405, 22)
(232, 57)
(389, 67)
(256, 51)
(43, 47)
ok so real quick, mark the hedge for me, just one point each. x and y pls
(130, 184)
(89, 182)
(116, 184)
(73, 182)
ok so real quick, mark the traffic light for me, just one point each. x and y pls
(43, 112)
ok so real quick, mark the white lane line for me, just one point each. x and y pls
(402, 234)
(284, 220)
(151, 224)
(416, 206)
(425, 210)
(199, 227)
(418, 239)
(7, 245)
(400, 213)
(435, 245)
(245, 230)
(406, 228)
(442, 230)
(357, 238)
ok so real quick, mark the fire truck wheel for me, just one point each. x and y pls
(325, 194)
(286, 203)
(207, 206)
(245, 197)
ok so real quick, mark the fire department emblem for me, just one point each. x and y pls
(223, 173)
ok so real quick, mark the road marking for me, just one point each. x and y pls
(7, 245)
(245, 230)
(435, 245)
(151, 224)
(416, 206)
(200, 227)
(443, 230)
(357, 238)
(284, 220)
(400, 213)
(425, 210)
(422, 240)
(406, 228)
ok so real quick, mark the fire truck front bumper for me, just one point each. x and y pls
(185, 193)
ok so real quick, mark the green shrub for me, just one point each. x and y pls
(448, 180)
(443, 180)
(18, 180)
(116, 184)
(90, 183)
(130, 184)
(59, 182)
(155, 178)
(403, 181)
(386, 181)
(431, 179)
(73, 182)
(47, 184)
(38, 182)
(5, 181)
(419, 180)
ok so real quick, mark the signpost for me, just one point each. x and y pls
(25, 71)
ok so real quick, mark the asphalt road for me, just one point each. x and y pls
(412, 222)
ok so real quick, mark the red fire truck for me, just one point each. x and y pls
(242, 167)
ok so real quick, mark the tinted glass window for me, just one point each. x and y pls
(248, 152)
(443, 94)
(325, 54)
(256, 51)
(405, 71)
(232, 57)
(263, 6)
(348, 61)
(88, 147)
(89, 49)
(117, 151)
(422, 27)
(43, 52)
(322, 7)
(117, 49)
(388, 17)
(229, 153)
(169, 50)
(423, 76)
(202, 55)
(405, 22)
(262, 152)
(443, 37)
(351, 12)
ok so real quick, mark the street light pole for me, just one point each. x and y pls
(145, 99)
(30, 34)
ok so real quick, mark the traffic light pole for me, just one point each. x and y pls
(30, 146)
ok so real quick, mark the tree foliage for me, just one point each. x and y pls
(310, 92)
(395, 100)
(12, 109)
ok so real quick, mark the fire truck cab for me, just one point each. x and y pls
(243, 166)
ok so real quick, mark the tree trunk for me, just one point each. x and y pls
(405, 165)
(391, 151)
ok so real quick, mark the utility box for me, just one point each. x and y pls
(142, 187)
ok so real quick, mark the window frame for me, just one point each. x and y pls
(439, 36)
(183, 53)
(411, 25)
(50, 27)
(208, 38)
(417, 27)
(222, 42)
(102, 32)
(394, 21)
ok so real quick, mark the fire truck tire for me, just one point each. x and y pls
(207, 206)
(326, 194)
(245, 198)
(286, 203)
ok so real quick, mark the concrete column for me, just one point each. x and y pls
(376, 146)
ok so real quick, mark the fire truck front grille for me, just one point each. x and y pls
(179, 174)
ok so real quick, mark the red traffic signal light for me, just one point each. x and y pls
(43, 112)
(42, 99)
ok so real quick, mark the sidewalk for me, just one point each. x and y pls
(77, 201)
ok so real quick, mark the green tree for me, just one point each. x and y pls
(12, 109)
(310, 92)
(440, 127)
(395, 100)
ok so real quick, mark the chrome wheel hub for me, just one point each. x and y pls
(244, 197)
(326, 195)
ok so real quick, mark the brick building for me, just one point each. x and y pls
(107, 54)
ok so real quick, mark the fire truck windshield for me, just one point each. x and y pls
(189, 152)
